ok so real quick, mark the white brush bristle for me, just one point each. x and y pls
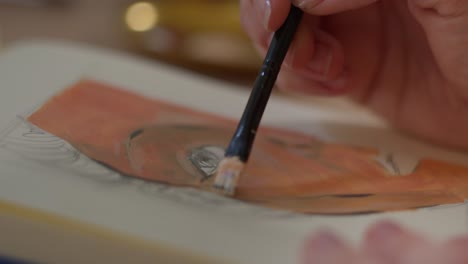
(228, 174)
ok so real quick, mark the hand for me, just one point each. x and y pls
(406, 59)
(385, 243)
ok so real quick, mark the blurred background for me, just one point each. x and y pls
(204, 36)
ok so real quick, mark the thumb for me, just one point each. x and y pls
(445, 23)
(329, 7)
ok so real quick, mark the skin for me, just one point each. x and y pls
(385, 243)
(405, 59)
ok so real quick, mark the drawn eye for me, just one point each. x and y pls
(206, 159)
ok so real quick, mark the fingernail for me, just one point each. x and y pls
(322, 59)
(307, 3)
(267, 14)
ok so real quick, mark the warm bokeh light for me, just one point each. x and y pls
(141, 16)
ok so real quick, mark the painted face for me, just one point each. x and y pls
(161, 142)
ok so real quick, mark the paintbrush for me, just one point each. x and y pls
(238, 151)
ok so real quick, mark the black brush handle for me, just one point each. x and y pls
(242, 141)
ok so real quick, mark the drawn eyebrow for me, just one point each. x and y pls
(131, 137)
(136, 133)
(325, 196)
(357, 195)
(351, 213)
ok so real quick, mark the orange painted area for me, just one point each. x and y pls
(150, 139)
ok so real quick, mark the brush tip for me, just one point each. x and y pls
(228, 174)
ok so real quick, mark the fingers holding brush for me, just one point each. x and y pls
(315, 63)
(330, 7)
(268, 15)
(260, 19)
(314, 55)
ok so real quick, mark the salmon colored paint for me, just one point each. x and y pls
(162, 142)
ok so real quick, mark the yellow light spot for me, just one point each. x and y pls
(141, 16)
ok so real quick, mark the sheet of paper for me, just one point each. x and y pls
(79, 188)
(160, 142)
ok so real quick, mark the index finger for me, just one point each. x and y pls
(329, 7)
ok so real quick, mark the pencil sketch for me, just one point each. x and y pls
(32, 143)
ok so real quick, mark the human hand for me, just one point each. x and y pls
(405, 59)
(385, 243)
